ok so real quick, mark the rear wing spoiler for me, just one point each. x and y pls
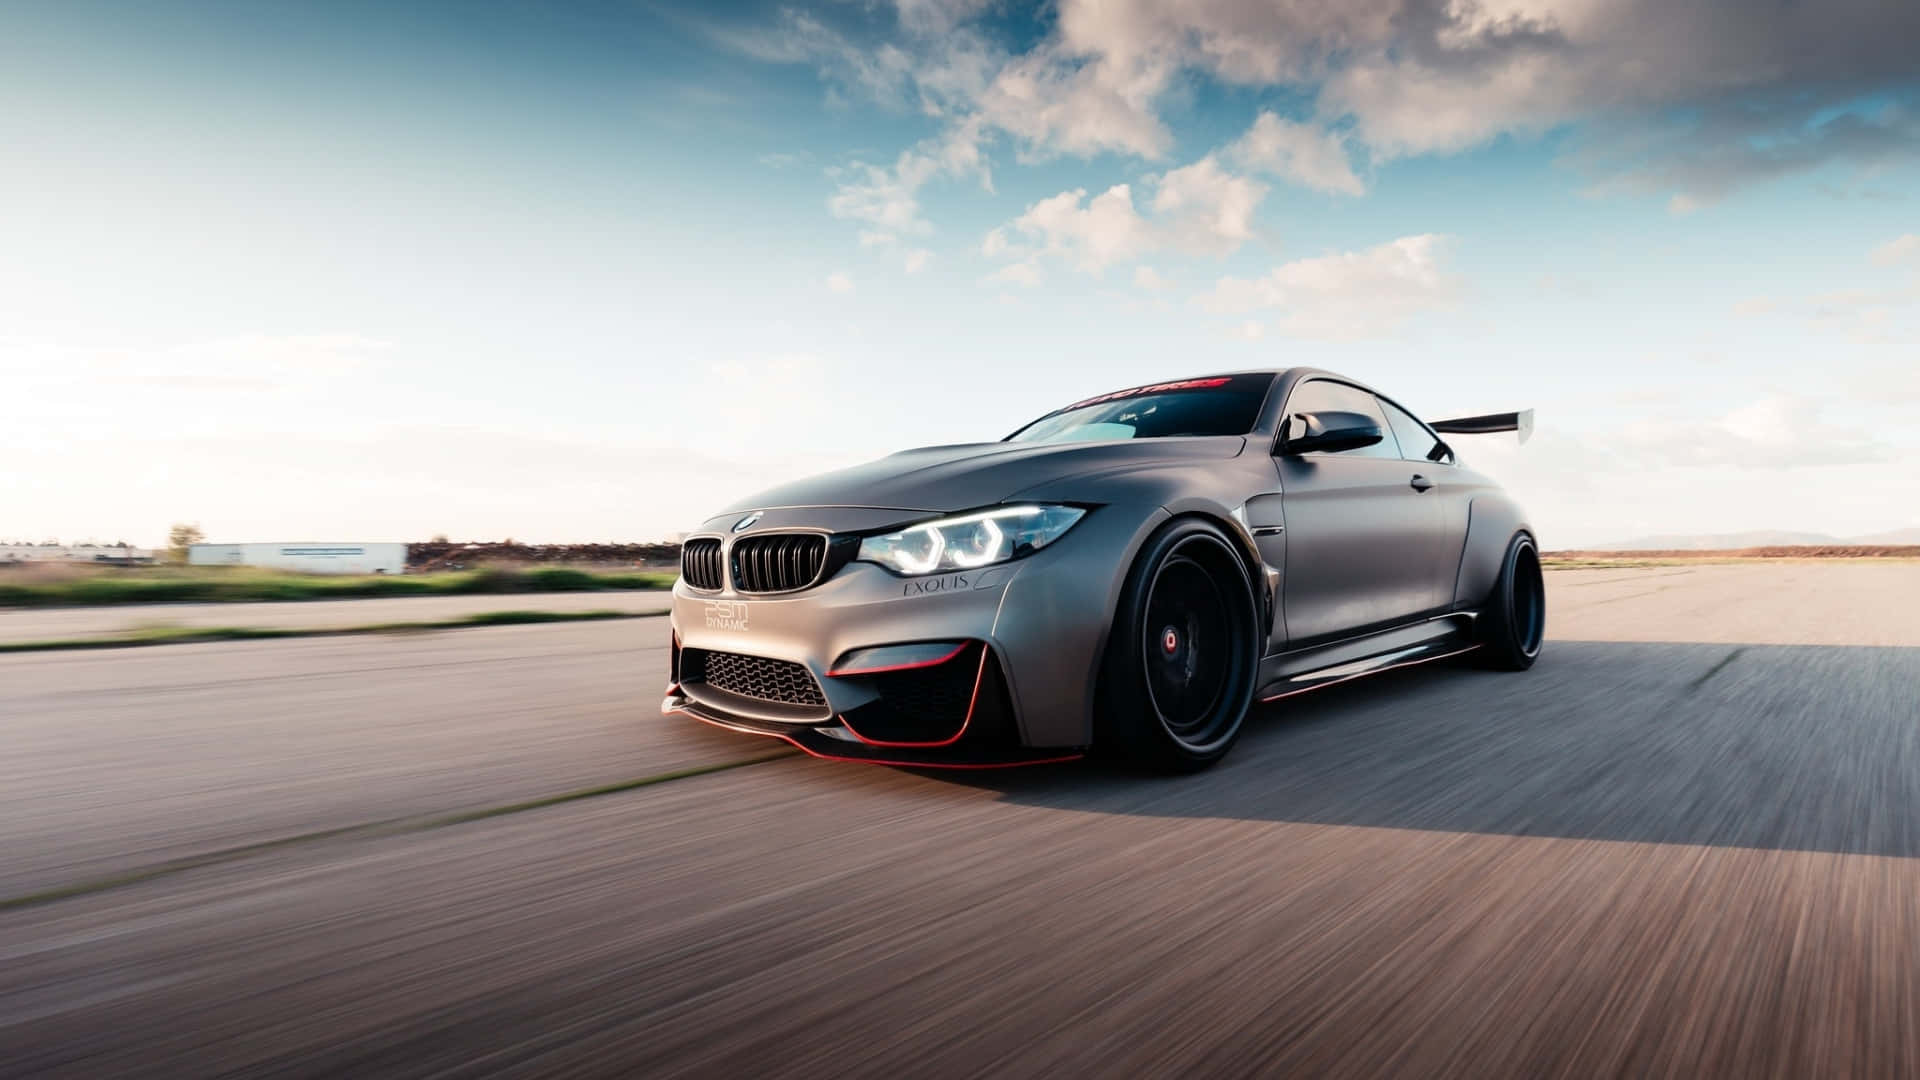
(1490, 424)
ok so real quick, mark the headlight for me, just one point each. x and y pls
(970, 540)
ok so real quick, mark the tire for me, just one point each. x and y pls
(1183, 654)
(1513, 621)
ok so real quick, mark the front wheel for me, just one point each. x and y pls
(1184, 652)
(1513, 621)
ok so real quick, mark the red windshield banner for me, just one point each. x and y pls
(1156, 388)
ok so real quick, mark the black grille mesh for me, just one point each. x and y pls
(777, 562)
(752, 676)
(700, 563)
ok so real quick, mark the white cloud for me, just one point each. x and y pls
(1684, 203)
(1584, 488)
(912, 260)
(1199, 209)
(961, 151)
(1298, 153)
(1403, 106)
(1896, 250)
(1685, 97)
(1057, 103)
(124, 455)
(1893, 381)
(247, 362)
(1024, 274)
(320, 353)
(1887, 314)
(928, 17)
(883, 73)
(772, 399)
(1206, 210)
(839, 282)
(1778, 432)
(1147, 278)
(1355, 294)
(885, 197)
(1090, 233)
(1419, 76)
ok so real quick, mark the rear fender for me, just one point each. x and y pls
(1492, 520)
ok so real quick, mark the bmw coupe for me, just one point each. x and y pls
(1131, 573)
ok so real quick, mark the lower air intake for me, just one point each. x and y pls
(757, 677)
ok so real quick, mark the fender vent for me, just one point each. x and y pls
(778, 562)
(700, 563)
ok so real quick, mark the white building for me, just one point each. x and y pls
(306, 558)
(72, 553)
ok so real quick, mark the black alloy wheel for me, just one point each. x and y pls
(1513, 622)
(1184, 653)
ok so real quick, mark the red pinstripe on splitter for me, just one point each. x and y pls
(810, 752)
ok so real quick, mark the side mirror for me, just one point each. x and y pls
(1329, 432)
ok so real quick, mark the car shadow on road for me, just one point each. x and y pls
(1764, 746)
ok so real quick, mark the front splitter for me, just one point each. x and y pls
(844, 745)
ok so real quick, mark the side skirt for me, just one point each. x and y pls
(1323, 665)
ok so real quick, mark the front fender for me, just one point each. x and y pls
(1055, 617)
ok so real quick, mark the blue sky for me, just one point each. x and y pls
(584, 271)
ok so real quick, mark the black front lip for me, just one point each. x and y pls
(774, 716)
(835, 742)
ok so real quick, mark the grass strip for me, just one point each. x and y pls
(390, 827)
(182, 635)
(220, 584)
(1551, 563)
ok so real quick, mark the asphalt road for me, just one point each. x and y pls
(68, 623)
(1687, 842)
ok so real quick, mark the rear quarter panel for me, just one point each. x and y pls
(1493, 517)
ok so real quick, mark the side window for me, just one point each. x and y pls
(1321, 395)
(1417, 441)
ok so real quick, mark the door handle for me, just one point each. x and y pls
(1421, 483)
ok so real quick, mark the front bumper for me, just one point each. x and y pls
(1029, 636)
(789, 668)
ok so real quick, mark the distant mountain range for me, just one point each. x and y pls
(1730, 541)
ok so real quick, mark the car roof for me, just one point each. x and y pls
(1268, 422)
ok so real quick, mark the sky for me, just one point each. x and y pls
(574, 272)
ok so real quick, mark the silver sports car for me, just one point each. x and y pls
(1129, 573)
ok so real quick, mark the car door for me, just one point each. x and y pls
(1362, 540)
(1433, 462)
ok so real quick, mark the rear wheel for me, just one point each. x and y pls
(1513, 621)
(1182, 658)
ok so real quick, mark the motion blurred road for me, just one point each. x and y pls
(71, 623)
(1687, 842)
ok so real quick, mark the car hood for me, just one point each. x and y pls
(940, 479)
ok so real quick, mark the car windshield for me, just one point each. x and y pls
(1220, 405)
